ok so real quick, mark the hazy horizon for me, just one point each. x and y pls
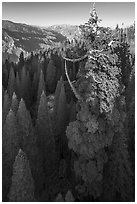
(73, 13)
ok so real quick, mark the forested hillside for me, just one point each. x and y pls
(17, 37)
(69, 31)
(68, 118)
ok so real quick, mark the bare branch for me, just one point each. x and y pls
(71, 85)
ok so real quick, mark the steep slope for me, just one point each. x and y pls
(17, 37)
(70, 31)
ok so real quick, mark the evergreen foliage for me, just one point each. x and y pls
(46, 141)
(11, 82)
(62, 120)
(6, 106)
(21, 60)
(4, 76)
(76, 134)
(10, 147)
(18, 86)
(24, 123)
(98, 121)
(35, 161)
(57, 94)
(3, 91)
(25, 86)
(22, 187)
(119, 177)
(14, 103)
(50, 76)
(41, 86)
(61, 107)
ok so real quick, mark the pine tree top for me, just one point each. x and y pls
(22, 105)
(22, 187)
(24, 120)
(14, 103)
(9, 137)
(6, 105)
(42, 109)
(14, 96)
(43, 120)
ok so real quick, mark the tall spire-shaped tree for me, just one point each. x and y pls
(21, 60)
(22, 187)
(56, 102)
(10, 147)
(119, 177)
(34, 87)
(36, 161)
(11, 82)
(14, 103)
(6, 106)
(10, 138)
(100, 117)
(51, 76)
(41, 86)
(3, 91)
(17, 86)
(45, 137)
(24, 123)
(61, 111)
(23, 82)
(62, 120)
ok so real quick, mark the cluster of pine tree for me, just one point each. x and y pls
(56, 147)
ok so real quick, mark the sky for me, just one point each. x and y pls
(74, 13)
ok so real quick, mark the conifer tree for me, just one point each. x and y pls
(22, 187)
(100, 119)
(14, 103)
(10, 147)
(57, 94)
(119, 177)
(50, 76)
(25, 86)
(61, 111)
(11, 82)
(3, 91)
(24, 123)
(23, 82)
(35, 160)
(28, 96)
(41, 86)
(6, 106)
(62, 120)
(4, 76)
(21, 60)
(45, 137)
(34, 87)
(10, 138)
(18, 86)
(72, 116)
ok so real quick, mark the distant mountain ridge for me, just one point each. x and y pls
(17, 37)
(70, 31)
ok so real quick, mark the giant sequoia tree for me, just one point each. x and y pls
(99, 120)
